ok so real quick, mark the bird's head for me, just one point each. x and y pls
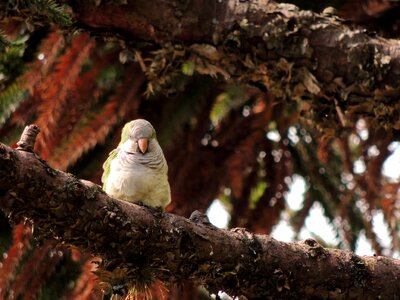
(138, 137)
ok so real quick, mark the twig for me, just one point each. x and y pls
(28, 138)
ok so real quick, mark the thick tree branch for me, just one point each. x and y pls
(334, 70)
(136, 242)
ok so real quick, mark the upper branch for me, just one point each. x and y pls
(332, 69)
(170, 248)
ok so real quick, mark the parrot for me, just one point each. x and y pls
(137, 171)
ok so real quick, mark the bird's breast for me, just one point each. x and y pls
(138, 184)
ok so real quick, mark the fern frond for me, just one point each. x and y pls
(54, 89)
(49, 50)
(95, 126)
(35, 71)
(85, 93)
(10, 98)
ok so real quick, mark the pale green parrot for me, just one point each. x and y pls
(136, 171)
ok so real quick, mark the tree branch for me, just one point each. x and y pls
(319, 60)
(136, 242)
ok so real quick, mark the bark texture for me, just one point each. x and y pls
(335, 71)
(140, 244)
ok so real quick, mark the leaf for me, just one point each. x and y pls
(225, 102)
(309, 81)
(188, 68)
(207, 51)
(206, 68)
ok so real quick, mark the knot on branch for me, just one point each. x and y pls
(28, 138)
(315, 249)
(200, 218)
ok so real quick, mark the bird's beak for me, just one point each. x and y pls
(143, 145)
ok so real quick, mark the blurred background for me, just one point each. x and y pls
(234, 151)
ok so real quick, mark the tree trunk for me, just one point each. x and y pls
(141, 244)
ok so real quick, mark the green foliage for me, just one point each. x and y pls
(12, 136)
(4, 42)
(221, 107)
(231, 98)
(257, 192)
(10, 98)
(184, 106)
(50, 9)
(11, 64)
(109, 76)
(188, 68)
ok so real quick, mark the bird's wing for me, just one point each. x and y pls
(107, 167)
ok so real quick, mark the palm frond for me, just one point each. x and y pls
(53, 91)
(94, 127)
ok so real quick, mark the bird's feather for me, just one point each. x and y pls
(106, 167)
(113, 154)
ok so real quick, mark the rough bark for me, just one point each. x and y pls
(334, 70)
(137, 242)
